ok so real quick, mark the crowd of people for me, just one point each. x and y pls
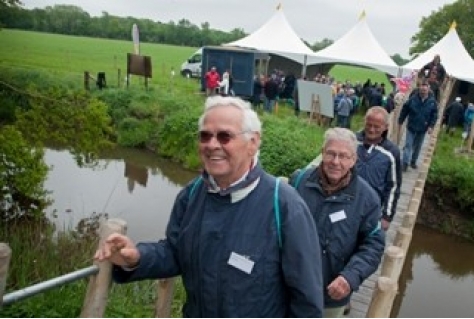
(247, 244)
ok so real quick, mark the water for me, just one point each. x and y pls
(438, 277)
(135, 186)
(139, 187)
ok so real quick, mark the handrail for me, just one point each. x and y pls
(49, 284)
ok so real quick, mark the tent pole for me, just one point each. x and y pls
(303, 70)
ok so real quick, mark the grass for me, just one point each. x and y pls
(72, 55)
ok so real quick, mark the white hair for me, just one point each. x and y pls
(341, 134)
(250, 121)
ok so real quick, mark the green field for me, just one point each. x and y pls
(70, 56)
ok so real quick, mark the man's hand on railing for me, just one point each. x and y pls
(119, 250)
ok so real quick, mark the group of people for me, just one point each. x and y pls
(457, 114)
(216, 85)
(248, 244)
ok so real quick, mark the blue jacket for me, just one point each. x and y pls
(203, 233)
(421, 114)
(352, 246)
(380, 165)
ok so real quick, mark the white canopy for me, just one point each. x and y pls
(357, 47)
(278, 37)
(454, 57)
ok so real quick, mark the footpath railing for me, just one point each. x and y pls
(386, 286)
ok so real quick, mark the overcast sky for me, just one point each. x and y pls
(393, 22)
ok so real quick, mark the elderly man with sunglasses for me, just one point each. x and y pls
(244, 244)
(347, 214)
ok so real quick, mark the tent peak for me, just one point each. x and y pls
(279, 6)
(362, 15)
(453, 25)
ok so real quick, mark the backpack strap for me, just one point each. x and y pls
(196, 183)
(276, 208)
(299, 177)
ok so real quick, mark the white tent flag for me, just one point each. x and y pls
(136, 39)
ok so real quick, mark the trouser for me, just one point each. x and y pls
(334, 312)
(413, 143)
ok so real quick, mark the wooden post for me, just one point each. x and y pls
(402, 238)
(98, 288)
(382, 298)
(5, 255)
(409, 220)
(119, 78)
(392, 263)
(315, 110)
(86, 81)
(413, 205)
(165, 297)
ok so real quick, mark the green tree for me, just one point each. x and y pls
(321, 44)
(435, 26)
(399, 60)
(23, 173)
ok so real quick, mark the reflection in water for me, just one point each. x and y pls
(437, 279)
(133, 185)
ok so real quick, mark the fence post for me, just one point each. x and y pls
(5, 255)
(98, 288)
(86, 81)
(392, 263)
(382, 298)
(165, 297)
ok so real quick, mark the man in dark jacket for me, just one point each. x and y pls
(453, 115)
(435, 74)
(379, 162)
(422, 112)
(244, 244)
(347, 214)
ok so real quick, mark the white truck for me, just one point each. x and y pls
(192, 67)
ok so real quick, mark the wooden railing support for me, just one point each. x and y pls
(5, 256)
(382, 298)
(164, 301)
(97, 293)
(409, 220)
(402, 238)
(392, 263)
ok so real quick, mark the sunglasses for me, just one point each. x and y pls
(223, 137)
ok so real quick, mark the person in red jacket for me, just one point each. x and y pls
(212, 81)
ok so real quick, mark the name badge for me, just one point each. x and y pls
(337, 216)
(241, 263)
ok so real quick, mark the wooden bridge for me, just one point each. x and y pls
(375, 296)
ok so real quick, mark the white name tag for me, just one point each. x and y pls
(240, 262)
(337, 216)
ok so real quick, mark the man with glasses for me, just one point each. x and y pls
(347, 214)
(244, 244)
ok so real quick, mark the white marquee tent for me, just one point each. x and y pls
(278, 37)
(454, 57)
(357, 47)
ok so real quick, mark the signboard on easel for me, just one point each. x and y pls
(309, 89)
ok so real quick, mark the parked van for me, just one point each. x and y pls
(192, 67)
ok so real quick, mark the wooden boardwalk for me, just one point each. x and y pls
(412, 183)
(361, 299)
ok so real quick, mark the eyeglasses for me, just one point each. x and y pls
(330, 156)
(223, 137)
